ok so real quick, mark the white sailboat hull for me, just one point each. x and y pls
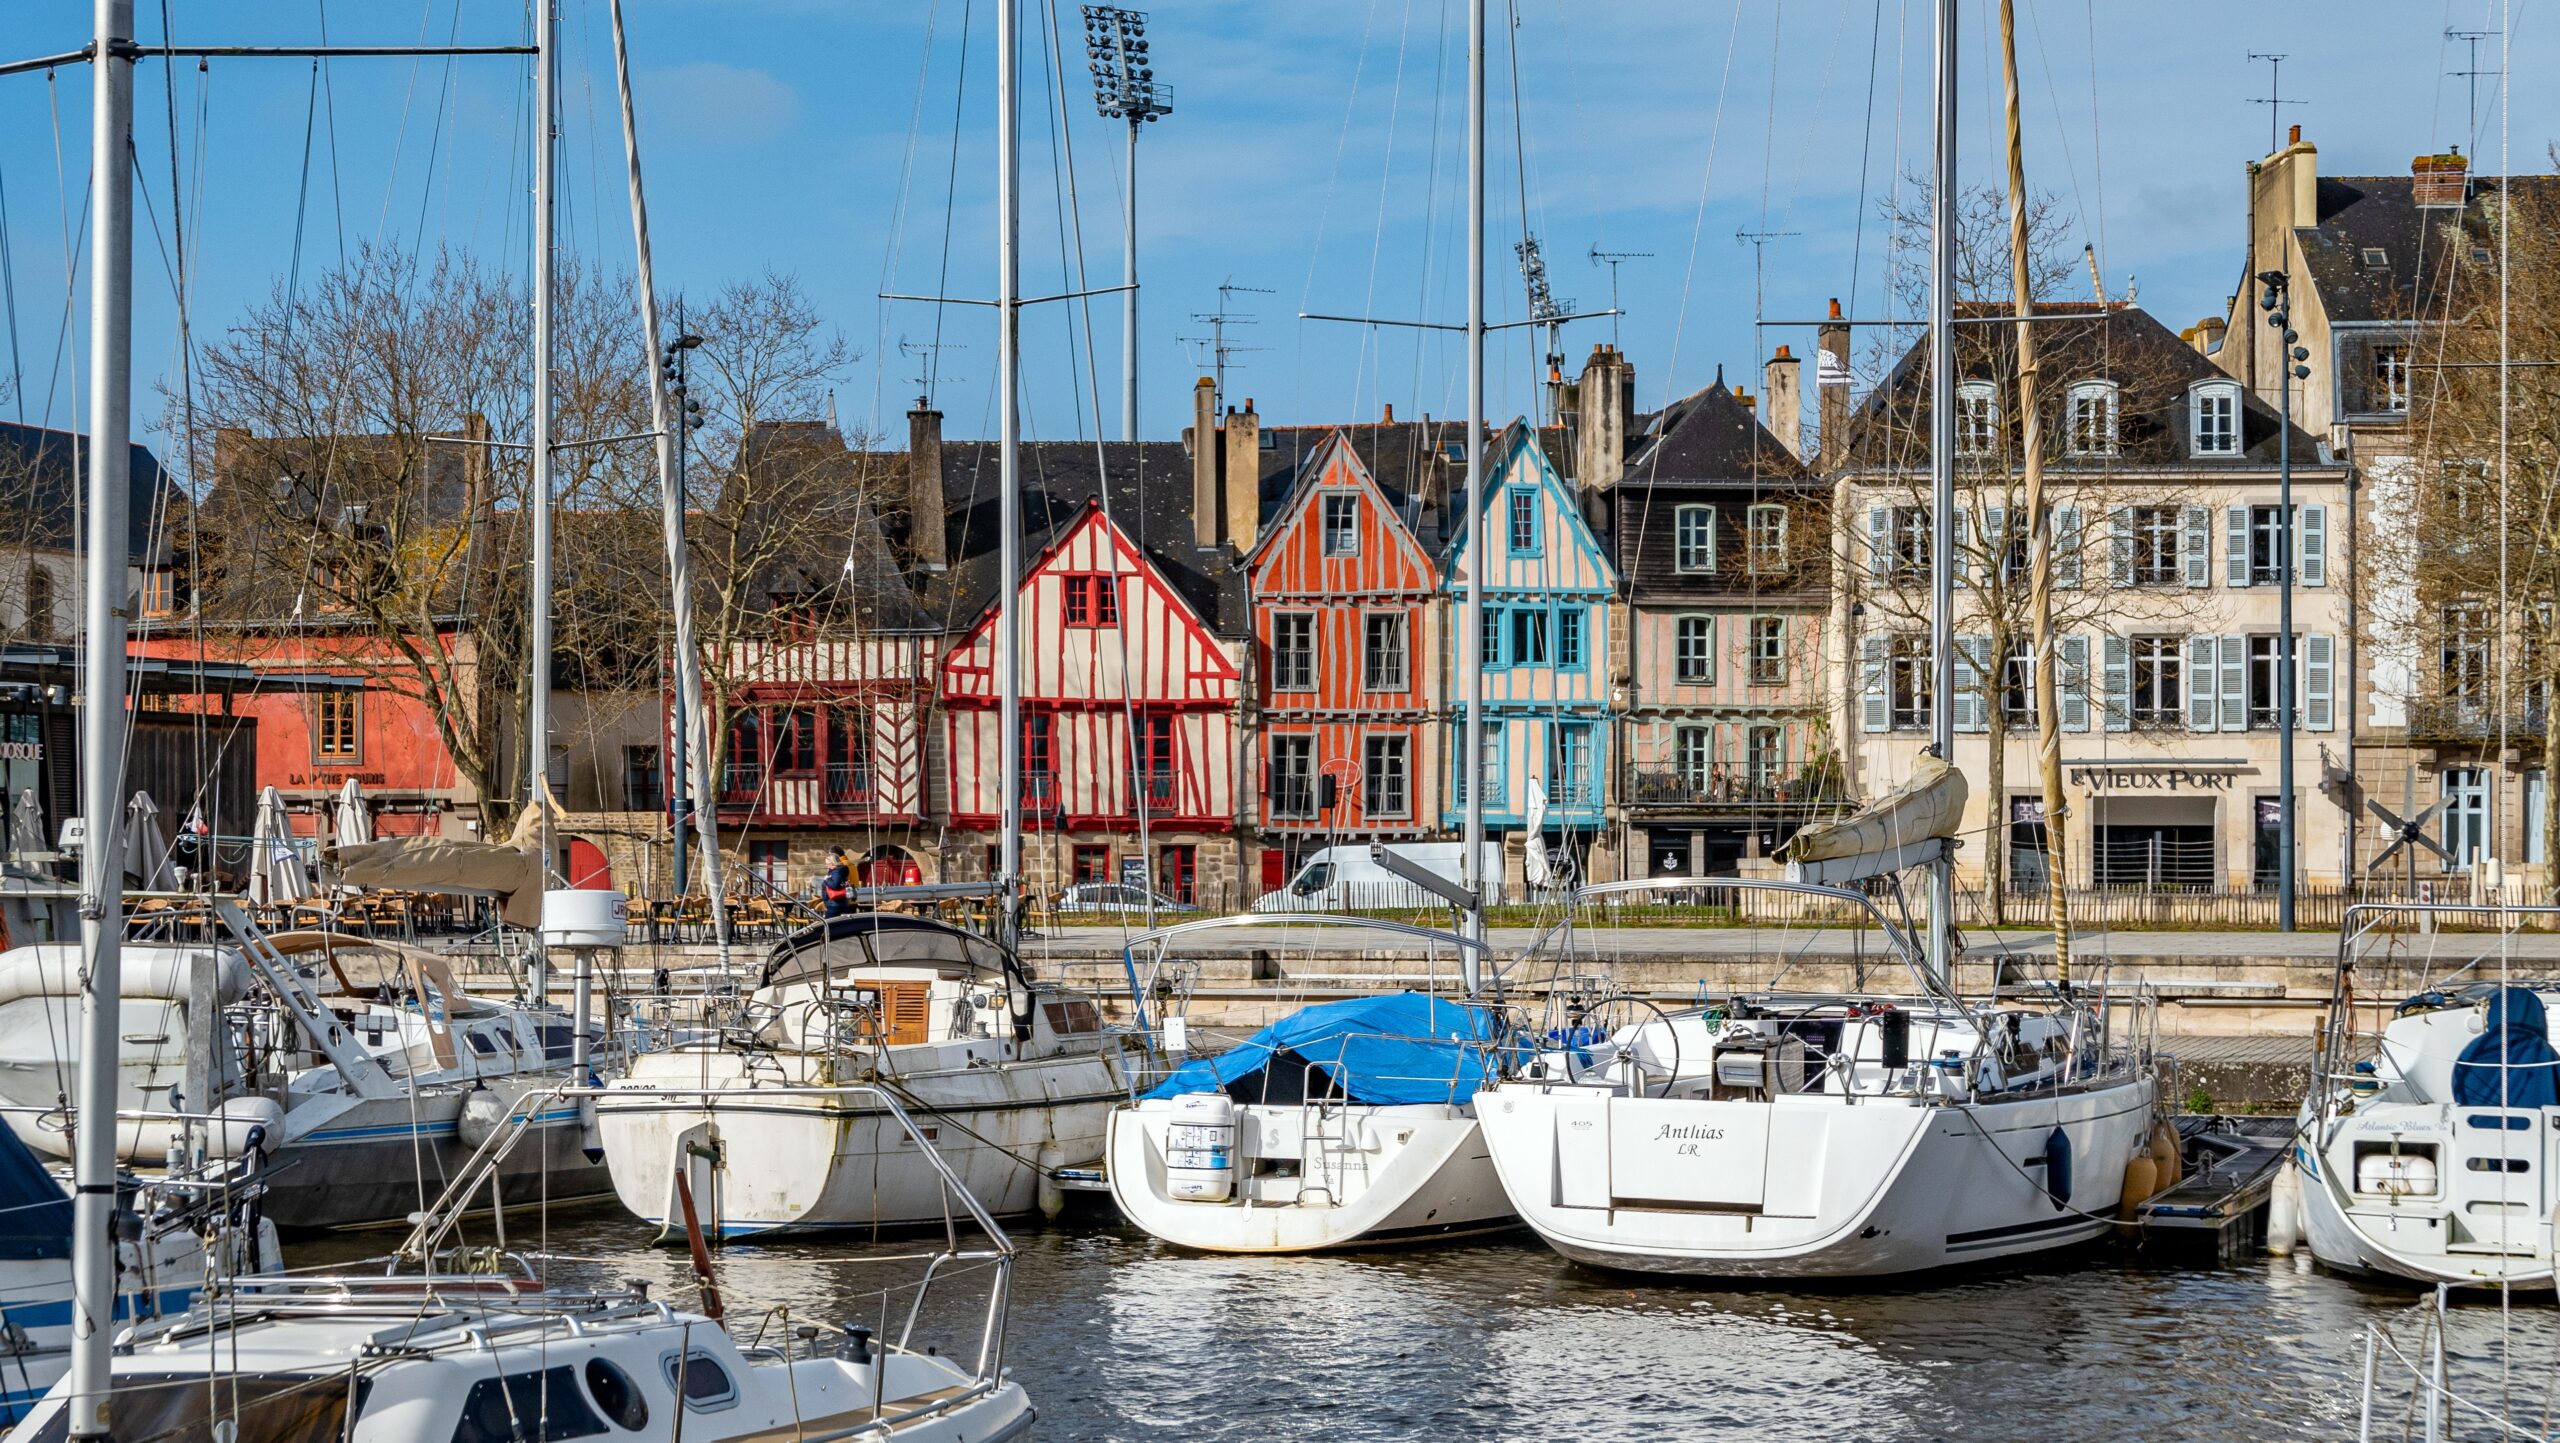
(790, 1155)
(1311, 1178)
(1808, 1185)
(155, 1278)
(2483, 1228)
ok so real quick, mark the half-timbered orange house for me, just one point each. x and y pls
(1345, 632)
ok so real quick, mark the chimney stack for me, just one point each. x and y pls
(926, 503)
(2440, 180)
(1608, 397)
(1244, 476)
(1784, 380)
(1831, 384)
(1202, 437)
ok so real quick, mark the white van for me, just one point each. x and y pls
(1348, 879)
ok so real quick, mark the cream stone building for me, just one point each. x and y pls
(2163, 473)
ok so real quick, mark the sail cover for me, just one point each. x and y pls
(1894, 831)
(35, 1212)
(1402, 1048)
(510, 871)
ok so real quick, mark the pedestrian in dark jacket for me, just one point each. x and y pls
(836, 887)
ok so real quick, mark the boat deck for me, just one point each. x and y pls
(2220, 1205)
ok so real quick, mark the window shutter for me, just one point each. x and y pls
(2235, 683)
(2066, 546)
(2235, 546)
(2071, 685)
(1780, 514)
(1872, 714)
(1995, 544)
(1879, 541)
(2200, 684)
(2119, 681)
(2311, 544)
(2199, 544)
(2319, 671)
(2119, 547)
(1957, 559)
(1711, 536)
(1968, 698)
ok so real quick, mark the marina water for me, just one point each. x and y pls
(1120, 1338)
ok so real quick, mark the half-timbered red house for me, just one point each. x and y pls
(1131, 645)
(1345, 632)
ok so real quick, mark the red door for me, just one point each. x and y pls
(1275, 868)
(587, 869)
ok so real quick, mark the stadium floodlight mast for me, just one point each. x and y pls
(1125, 88)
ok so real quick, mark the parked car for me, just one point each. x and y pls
(1117, 899)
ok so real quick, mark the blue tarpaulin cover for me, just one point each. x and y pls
(1400, 1048)
(35, 1211)
(2511, 1063)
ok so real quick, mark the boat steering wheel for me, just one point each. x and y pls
(1610, 1017)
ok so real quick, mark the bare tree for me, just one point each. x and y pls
(367, 494)
(2483, 543)
(2102, 460)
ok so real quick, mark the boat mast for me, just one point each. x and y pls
(1471, 626)
(102, 719)
(691, 722)
(2039, 522)
(538, 504)
(1942, 476)
(1008, 476)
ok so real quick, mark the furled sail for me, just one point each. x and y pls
(511, 870)
(1908, 825)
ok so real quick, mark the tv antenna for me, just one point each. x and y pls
(2274, 101)
(1613, 260)
(928, 358)
(1545, 310)
(1217, 321)
(2472, 73)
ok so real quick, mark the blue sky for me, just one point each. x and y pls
(1315, 153)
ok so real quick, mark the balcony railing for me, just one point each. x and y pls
(1678, 787)
(848, 785)
(1155, 788)
(2473, 720)
(1039, 791)
(741, 782)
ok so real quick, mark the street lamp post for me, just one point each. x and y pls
(1125, 88)
(687, 414)
(2290, 356)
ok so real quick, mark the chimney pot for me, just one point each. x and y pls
(2293, 136)
(1835, 308)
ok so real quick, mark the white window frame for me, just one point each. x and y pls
(1693, 554)
(2224, 437)
(1766, 530)
(1977, 418)
(1348, 534)
(1681, 672)
(1767, 640)
(2090, 419)
(1371, 677)
(2391, 377)
(1282, 678)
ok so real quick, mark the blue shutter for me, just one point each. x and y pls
(2201, 691)
(2199, 545)
(2066, 546)
(2071, 684)
(1968, 698)
(2311, 544)
(2235, 683)
(2235, 546)
(2119, 547)
(1873, 716)
(2119, 683)
(2319, 685)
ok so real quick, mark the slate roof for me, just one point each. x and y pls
(2423, 250)
(41, 477)
(1149, 489)
(1709, 435)
(2153, 368)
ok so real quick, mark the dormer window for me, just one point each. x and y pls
(2376, 258)
(2092, 418)
(1977, 418)
(2213, 419)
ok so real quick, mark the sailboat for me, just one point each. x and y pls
(1863, 1133)
(768, 1124)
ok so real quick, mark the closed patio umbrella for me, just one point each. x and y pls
(1534, 854)
(146, 852)
(276, 873)
(26, 826)
(355, 823)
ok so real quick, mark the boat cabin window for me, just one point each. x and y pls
(1074, 1015)
(261, 1405)
(484, 1044)
(699, 1376)
(616, 1394)
(558, 1043)
(536, 1407)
